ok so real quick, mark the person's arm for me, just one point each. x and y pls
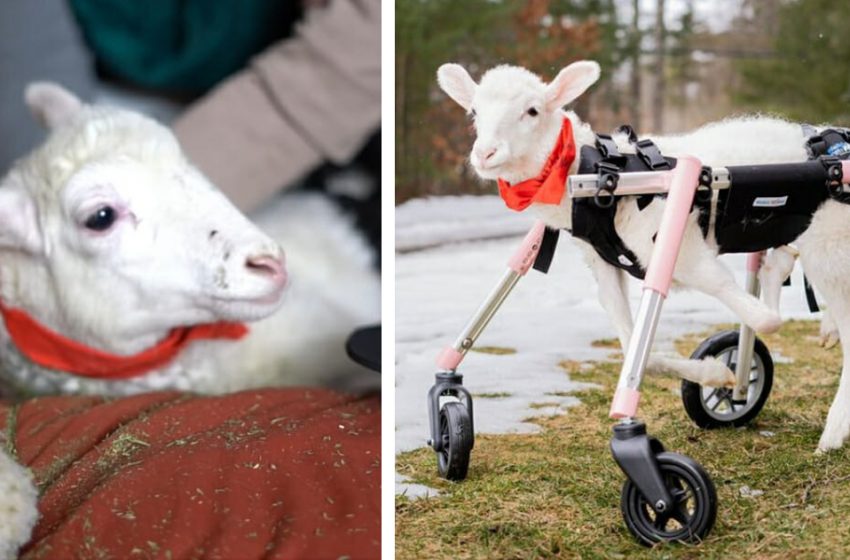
(311, 98)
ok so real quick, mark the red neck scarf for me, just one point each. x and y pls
(52, 350)
(548, 187)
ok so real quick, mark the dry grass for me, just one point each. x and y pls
(556, 493)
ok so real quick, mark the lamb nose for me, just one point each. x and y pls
(266, 264)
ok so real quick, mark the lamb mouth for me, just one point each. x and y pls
(271, 298)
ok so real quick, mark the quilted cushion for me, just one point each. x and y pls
(277, 473)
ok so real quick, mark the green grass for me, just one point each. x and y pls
(557, 493)
(497, 350)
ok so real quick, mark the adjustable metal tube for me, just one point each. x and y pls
(747, 337)
(519, 263)
(659, 276)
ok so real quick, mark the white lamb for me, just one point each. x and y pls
(518, 119)
(111, 239)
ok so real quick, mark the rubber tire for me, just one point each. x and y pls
(692, 392)
(453, 461)
(633, 505)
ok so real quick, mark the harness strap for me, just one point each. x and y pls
(810, 295)
(547, 250)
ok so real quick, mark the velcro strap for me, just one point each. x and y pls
(547, 250)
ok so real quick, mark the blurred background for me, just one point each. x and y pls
(264, 95)
(667, 66)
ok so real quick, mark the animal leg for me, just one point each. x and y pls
(777, 267)
(612, 291)
(829, 336)
(710, 276)
(612, 284)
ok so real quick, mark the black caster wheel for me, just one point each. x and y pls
(691, 516)
(713, 407)
(456, 434)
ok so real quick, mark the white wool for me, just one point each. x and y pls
(18, 510)
(177, 254)
(513, 144)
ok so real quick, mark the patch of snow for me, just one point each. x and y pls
(548, 318)
(403, 487)
(747, 492)
(779, 358)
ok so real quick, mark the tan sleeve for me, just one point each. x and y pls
(314, 97)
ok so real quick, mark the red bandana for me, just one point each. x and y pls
(548, 187)
(52, 350)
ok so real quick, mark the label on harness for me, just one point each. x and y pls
(770, 201)
(839, 149)
(624, 260)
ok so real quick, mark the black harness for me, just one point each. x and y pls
(593, 218)
(767, 207)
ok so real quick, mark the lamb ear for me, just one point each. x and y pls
(571, 82)
(455, 81)
(51, 104)
(19, 228)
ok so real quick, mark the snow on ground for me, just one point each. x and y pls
(451, 252)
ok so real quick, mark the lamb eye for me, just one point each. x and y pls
(102, 219)
(532, 112)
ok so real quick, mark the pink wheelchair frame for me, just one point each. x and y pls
(653, 493)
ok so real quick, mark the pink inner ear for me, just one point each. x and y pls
(51, 104)
(18, 224)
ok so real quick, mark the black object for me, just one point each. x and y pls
(650, 155)
(769, 205)
(695, 406)
(608, 176)
(628, 131)
(595, 224)
(635, 453)
(609, 151)
(810, 295)
(689, 518)
(457, 439)
(834, 142)
(451, 427)
(547, 250)
(364, 347)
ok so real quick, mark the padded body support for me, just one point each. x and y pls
(768, 205)
(595, 225)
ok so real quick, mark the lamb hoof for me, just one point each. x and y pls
(769, 325)
(18, 506)
(829, 442)
(716, 374)
(830, 339)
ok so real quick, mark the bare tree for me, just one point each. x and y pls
(658, 94)
(635, 97)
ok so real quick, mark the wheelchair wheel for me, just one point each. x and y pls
(694, 508)
(456, 435)
(714, 407)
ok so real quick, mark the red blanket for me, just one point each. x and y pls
(259, 474)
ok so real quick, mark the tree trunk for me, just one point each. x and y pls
(635, 97)
(658, 94)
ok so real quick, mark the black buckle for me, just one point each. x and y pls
(815, 146)
(834, 175)
(650, 155)
(703, 192)
(608, 148)
(628, 131)
(608, 175)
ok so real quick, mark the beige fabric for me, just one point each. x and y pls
(314, 97)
